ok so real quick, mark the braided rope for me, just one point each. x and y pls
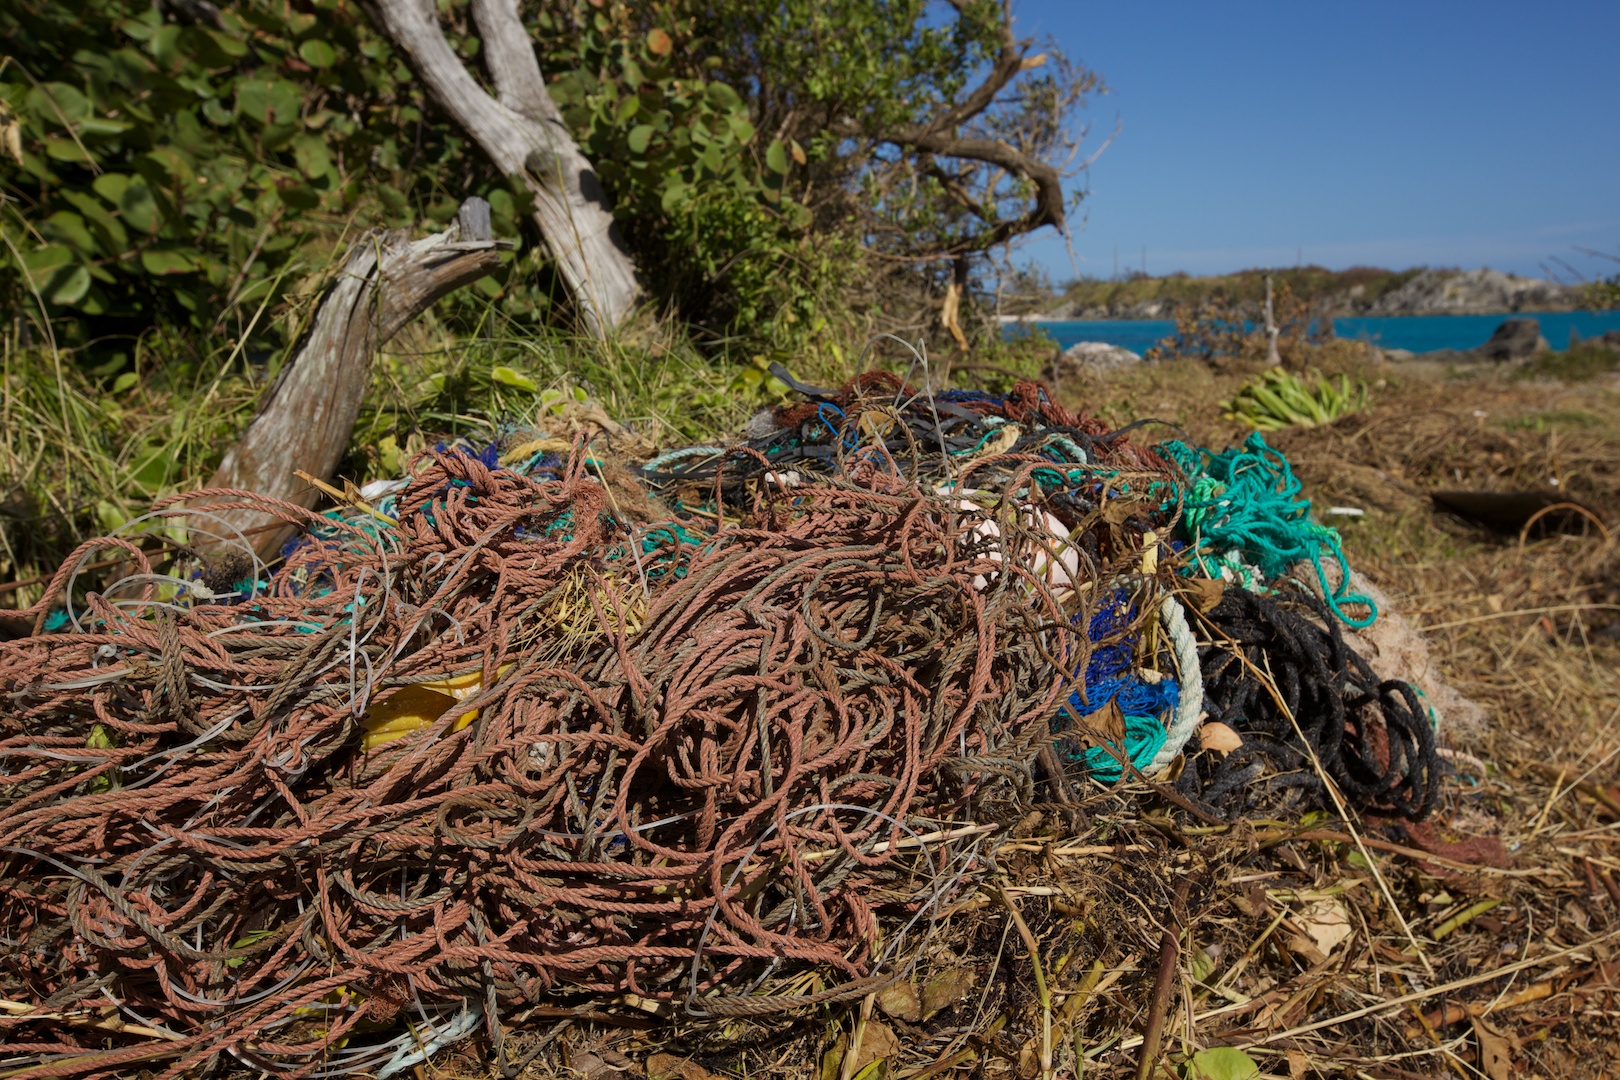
(1190, 706)
(711, 778)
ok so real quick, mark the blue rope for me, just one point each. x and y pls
(1112, 675)
(962, 396)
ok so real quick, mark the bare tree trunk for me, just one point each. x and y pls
(306, 418)
(524, 135)
(1273, 359)
(952, 308)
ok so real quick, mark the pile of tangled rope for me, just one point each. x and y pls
(493, 742)
(678, 787)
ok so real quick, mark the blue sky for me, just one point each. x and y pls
(1382, 133)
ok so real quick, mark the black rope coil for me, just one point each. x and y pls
(1373, 737)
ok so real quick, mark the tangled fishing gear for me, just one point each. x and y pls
(740, 787)
(513, 733)
(1245, 520)
(1159, 700)
(928, 437)
(1277, 672)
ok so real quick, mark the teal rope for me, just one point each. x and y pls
(1075, 455)
(1247, 498)
(1144, 736)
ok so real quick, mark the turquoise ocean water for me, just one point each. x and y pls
(1417, 333)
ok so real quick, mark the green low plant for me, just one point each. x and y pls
(1579, 363)
(79, 457)
(1276, 399)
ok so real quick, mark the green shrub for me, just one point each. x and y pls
(1579, 363)
(168, 173)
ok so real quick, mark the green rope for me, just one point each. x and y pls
(1246, 499)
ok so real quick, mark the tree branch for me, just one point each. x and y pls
(1009, 64)
(509, 56)
(938, 136)
(306, 418)
(523, 135)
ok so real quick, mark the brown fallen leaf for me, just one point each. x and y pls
(1328, 924)
(1203, 593)
(671, 1067)
(1495, 1053)
(592, 1067)
(876, 1042)
(1252, 901)
(1216, 736)
(1106, 724)
(1297, 1064)
(1029, 1060)
(947, 989)
(900, 1001)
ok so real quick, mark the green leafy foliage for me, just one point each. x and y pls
(1221, 1063)
(756, 152)
(173, 191)
(1601, 294)
(1226, 329)
(159, 171)
(1581, 362)
(699, 191)
(164, 172)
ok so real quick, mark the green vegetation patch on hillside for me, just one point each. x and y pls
(1312, 284)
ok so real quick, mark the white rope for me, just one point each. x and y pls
(1190, 708)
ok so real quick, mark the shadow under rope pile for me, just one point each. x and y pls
(501, 736)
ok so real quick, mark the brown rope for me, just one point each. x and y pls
(694, 784)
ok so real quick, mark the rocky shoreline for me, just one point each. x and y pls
(1432, 292)
(1515, 341)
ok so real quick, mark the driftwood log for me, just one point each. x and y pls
(523, 134)
(306, 418)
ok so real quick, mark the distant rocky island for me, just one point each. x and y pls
(1358, 291)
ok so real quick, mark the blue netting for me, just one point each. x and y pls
(1112, 674)
(956, 397)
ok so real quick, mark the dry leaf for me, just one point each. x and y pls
(671, 1067)
(1107, 724)
(1327, 923)
(1297, 1065)
(1203, 593)
(900, 1001)
(1304, 948)
(592, 1067)
(946, 989)
(1029, 1060)
(1252, 901)
(876, 1042)
(11, 138)
(1495, 1055)
(1216, 736)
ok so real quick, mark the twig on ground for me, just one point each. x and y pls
(1169, 954)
